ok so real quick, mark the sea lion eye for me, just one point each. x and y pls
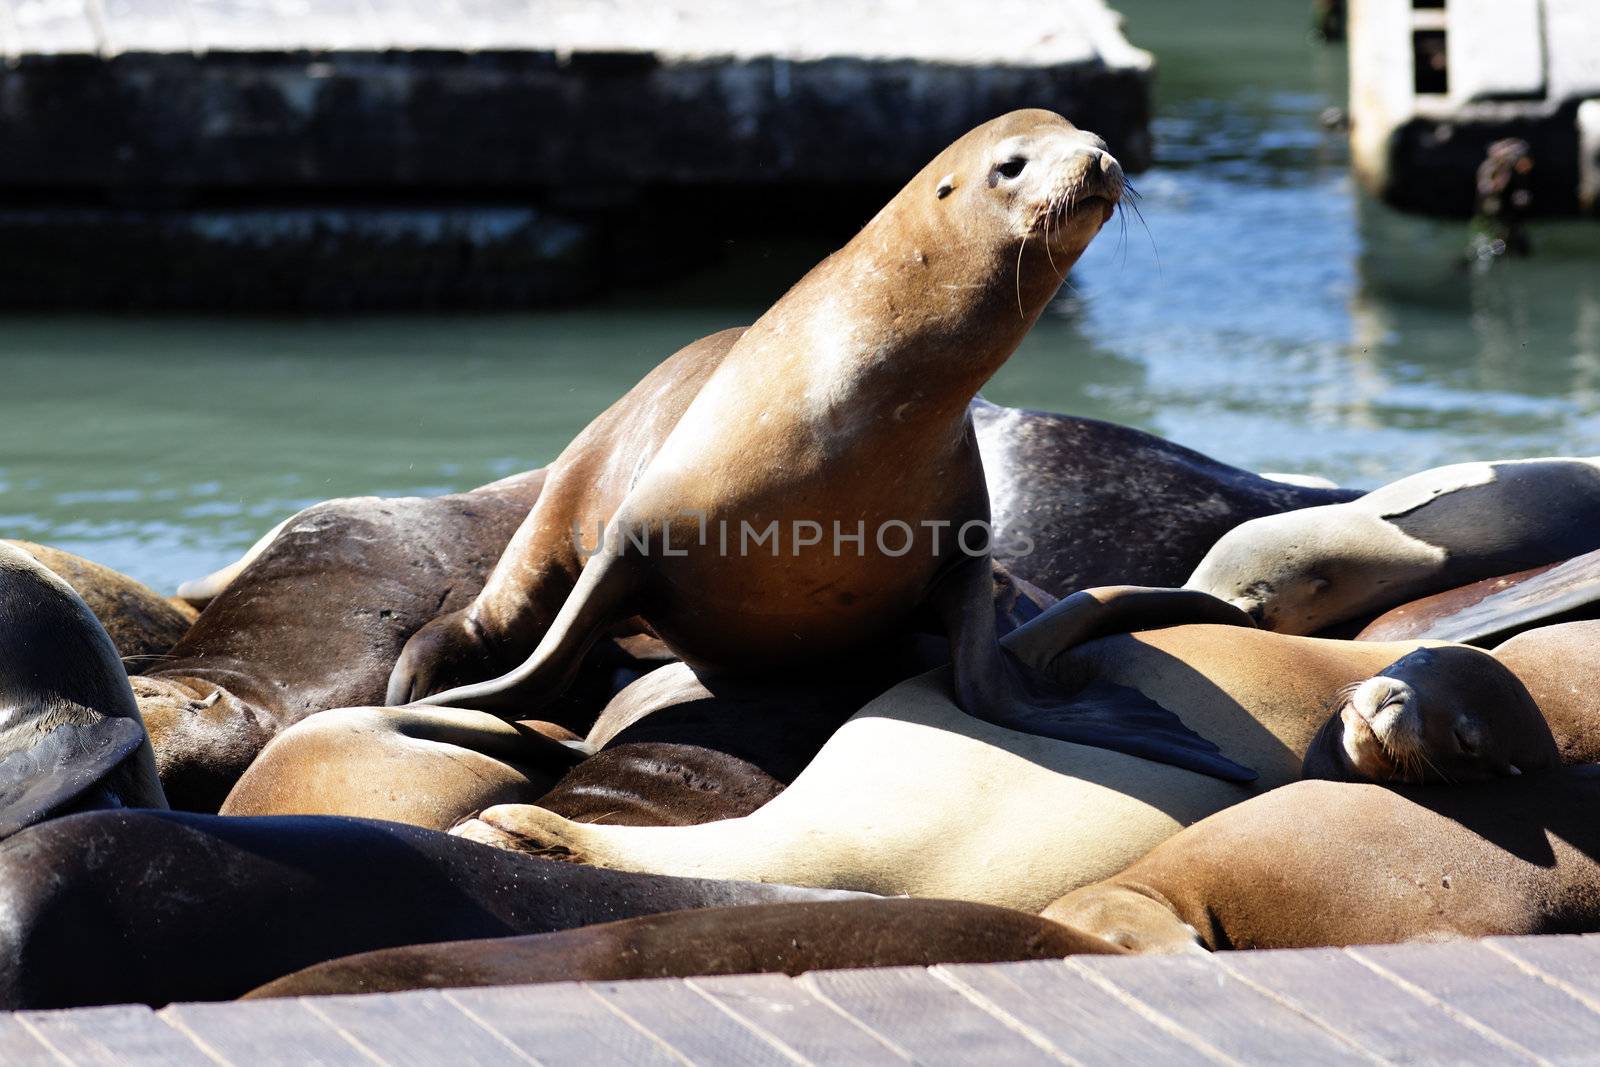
(1012, 167)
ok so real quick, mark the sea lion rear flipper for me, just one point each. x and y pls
(1010, 684)
(1115, 717)
(61, 767)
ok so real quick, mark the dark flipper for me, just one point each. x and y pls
(61, 767)
(1118, 718)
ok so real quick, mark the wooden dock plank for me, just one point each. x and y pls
(562, 1023)
(1366, 1007)
(1571, 961)
(115, 1036)
(19, 1048)
(1479, 984)
(1195, 993)
(1075, 1014)
(421, 1029)
(924, 1016)
(693, 1025)
(775, 1004)
(265, 1033)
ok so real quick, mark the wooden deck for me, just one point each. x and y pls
(1500, 1001)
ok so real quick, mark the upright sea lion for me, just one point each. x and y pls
(1496, 609)
(1304, 571)
(914, 796)
(70, 734)
(755, 939)
(153, 907)
(837, 429)
(1325, 863)
(141, 623)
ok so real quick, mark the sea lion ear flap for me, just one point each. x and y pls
(947, 185)
(61, 767)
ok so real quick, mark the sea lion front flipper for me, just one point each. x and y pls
(61, 767)
(1010, 684)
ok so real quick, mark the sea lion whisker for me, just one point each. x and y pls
(1133, 204)
(1020, 249)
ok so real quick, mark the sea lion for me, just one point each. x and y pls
(1436, 715)
(200, 592)
(912, 796)
(70, 734)
(755, 939)
(316, 622)
(1560, 666)
(1304, 571)
(1094, 503)
(837, 426)
(1328, 863)
(142, 624)
(1496, 609)
(153, 907)
(435, 766)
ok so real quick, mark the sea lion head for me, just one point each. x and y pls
(1133, 918)
(1299, 572)
(1026, 183)
(1438, 715)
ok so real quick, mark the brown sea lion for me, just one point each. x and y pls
(658, 784)
(1304, 571)
(837, 430)
(1496, 609)
(316, 622)
(154, 907)
(1327, 863)
(142, 624)
(756, 939)
(913, 796)
(70, 734)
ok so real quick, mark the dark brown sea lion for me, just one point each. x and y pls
(1496, 609)
(1098, 504)
(70, 734)
(142, 623)
(1326, 863)
(151, 907)
(837, 429)
(913, 796)
(757, 939)
(316, 622)
(1305, 571)
(1436, 715)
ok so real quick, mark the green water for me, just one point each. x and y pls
(1269, 315)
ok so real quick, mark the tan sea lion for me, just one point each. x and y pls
(1304, 571)
(1497, 609)
(70, 734)
(913, 796)
(1560, 666)
(837, 429)
(755, 939)
(142, 624)
(1326, 863)
(116, 907)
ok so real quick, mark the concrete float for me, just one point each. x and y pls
(390, 152)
